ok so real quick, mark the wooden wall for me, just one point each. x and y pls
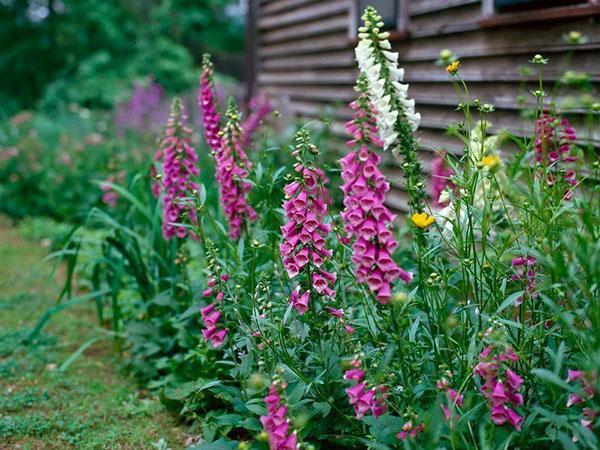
(306, 61)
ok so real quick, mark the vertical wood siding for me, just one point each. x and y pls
(306, 60)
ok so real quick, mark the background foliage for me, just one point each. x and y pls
(61, 51)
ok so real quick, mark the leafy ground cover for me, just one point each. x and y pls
(90, 405)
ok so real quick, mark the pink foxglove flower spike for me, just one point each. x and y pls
(207, 101)
(233, 168)
(501, 385)
(364, 400)
(179, 168)
(366, 218)
(276, 423)
(554, 142)
(303, 248)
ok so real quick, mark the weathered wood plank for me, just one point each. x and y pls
(344, 58)
(310, 12)
(284, 5)
(522, 40)
(305, 46)
(443, 18)
(300, 31)
(542, 15)
(318, 77)
(419, 7)
(318, 93)
(439, 118)
(336, 77)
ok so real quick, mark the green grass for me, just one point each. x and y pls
(90, 405)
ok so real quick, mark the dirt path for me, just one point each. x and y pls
(90, 405)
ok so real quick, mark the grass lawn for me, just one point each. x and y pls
(90, 405)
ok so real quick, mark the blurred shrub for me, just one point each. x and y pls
(51, 165)
(45, 230)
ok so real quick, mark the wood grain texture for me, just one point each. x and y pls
(306, 55)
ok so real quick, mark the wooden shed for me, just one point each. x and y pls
(302, 54)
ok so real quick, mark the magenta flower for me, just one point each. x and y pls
(501, 386)
(109, 195)
(259, 108)
(440, 180)
(303, 248)
(366, 218)
(211, 315)
(410, 431)
(144, 111)
(207, 101)
(276, 423)
(300, 302)
(453, 399)
(179, 168)
(586, 381)
(233, 168)
(364, 400)
(554, 142)
(524, 267)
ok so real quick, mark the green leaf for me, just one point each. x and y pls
(76, 354)
(552, 378)
(510, 300)
(257, 406)
(68, 304)
(297, 392)
(221, 444)
(322, 408)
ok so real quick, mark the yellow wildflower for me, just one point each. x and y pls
(422, 220)
(490, 161)
(452, 68)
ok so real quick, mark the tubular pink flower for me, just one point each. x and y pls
(440, 180)
(260, 107)
(109, 195)
(586, 382)
(207, 101)
(211, 315)
(554, 140)
(410, 431)
(364, 400)
(179, 167)
(524, 267)
(276, 423)
(500, 386)
(453, 399)
(303, 247)
(233, 167)
(366, 218)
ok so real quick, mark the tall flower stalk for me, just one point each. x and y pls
(207, 101)
(303, 249)
(233, 168)
(366, 218)
(554, 142)
(276, 423)
(179, 167)
(395, 112)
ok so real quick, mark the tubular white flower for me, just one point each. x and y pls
(394, 111)
(386, 117)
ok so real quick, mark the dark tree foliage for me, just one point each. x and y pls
(89, 51)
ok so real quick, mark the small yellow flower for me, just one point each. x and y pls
(452, 68)
(490, 161)
(422, 220)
